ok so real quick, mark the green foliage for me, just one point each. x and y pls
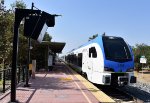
(6, 25)
(141, 50)
(23, 42)
(1, 82)
(47, 37)
(22, 50)
(18, 4)
(2, 2)
(6, 33)
(93, 37)
(40, 54)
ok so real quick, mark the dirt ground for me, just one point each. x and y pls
(143, 76)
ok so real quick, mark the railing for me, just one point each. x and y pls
(5, 77)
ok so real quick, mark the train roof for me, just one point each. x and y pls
(95, 40)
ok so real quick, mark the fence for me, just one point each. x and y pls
(5, 77)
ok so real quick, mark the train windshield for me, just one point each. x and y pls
(116, 49)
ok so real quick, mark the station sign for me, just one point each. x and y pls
(143, 60)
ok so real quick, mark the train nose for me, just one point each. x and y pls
(120, 67)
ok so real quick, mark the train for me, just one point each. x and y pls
(105, 60)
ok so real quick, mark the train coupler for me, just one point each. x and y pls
(122, 80)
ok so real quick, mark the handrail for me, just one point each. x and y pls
(6, 76)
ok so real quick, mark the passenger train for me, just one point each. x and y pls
(105, 60)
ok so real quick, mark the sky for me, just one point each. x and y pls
(129, 19)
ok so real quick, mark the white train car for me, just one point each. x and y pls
(106, 60)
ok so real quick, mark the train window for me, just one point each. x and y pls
(80, 59)
(89, 52)
(75, 59)
(116, 49)
(92, 51)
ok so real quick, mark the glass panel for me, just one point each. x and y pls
(116, 49)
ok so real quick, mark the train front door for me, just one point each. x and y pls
(87, 64)
(92, 62)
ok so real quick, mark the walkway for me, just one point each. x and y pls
(57, 86)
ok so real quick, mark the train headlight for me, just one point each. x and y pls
(108, 69)
(130, 70)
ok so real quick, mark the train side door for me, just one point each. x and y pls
(85, 60)
(92, 61)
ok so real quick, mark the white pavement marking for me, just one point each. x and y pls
(89, 101)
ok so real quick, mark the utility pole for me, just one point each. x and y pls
(14, 62)
(27, 69)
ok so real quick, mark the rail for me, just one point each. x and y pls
(5, 77)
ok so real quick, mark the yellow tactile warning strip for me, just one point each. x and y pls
(101, 96)
(66, 79)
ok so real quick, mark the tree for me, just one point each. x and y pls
(47, 37)
(18, 4)
(6, 37)
(6, 25)
(23, 42)
(141, 50)
(6, 32)
(2, 7)
(93, 37)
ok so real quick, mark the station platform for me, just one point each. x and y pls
(61, 85)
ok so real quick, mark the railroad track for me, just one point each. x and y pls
(138, 95)
(117, 94)
(134, 99)
(127, 94)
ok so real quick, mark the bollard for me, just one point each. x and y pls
(23, 73)
(4, 72)
(33, 68)
(18, 74)
(30, 70)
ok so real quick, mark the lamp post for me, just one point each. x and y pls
(37, 32)
(19, 15)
